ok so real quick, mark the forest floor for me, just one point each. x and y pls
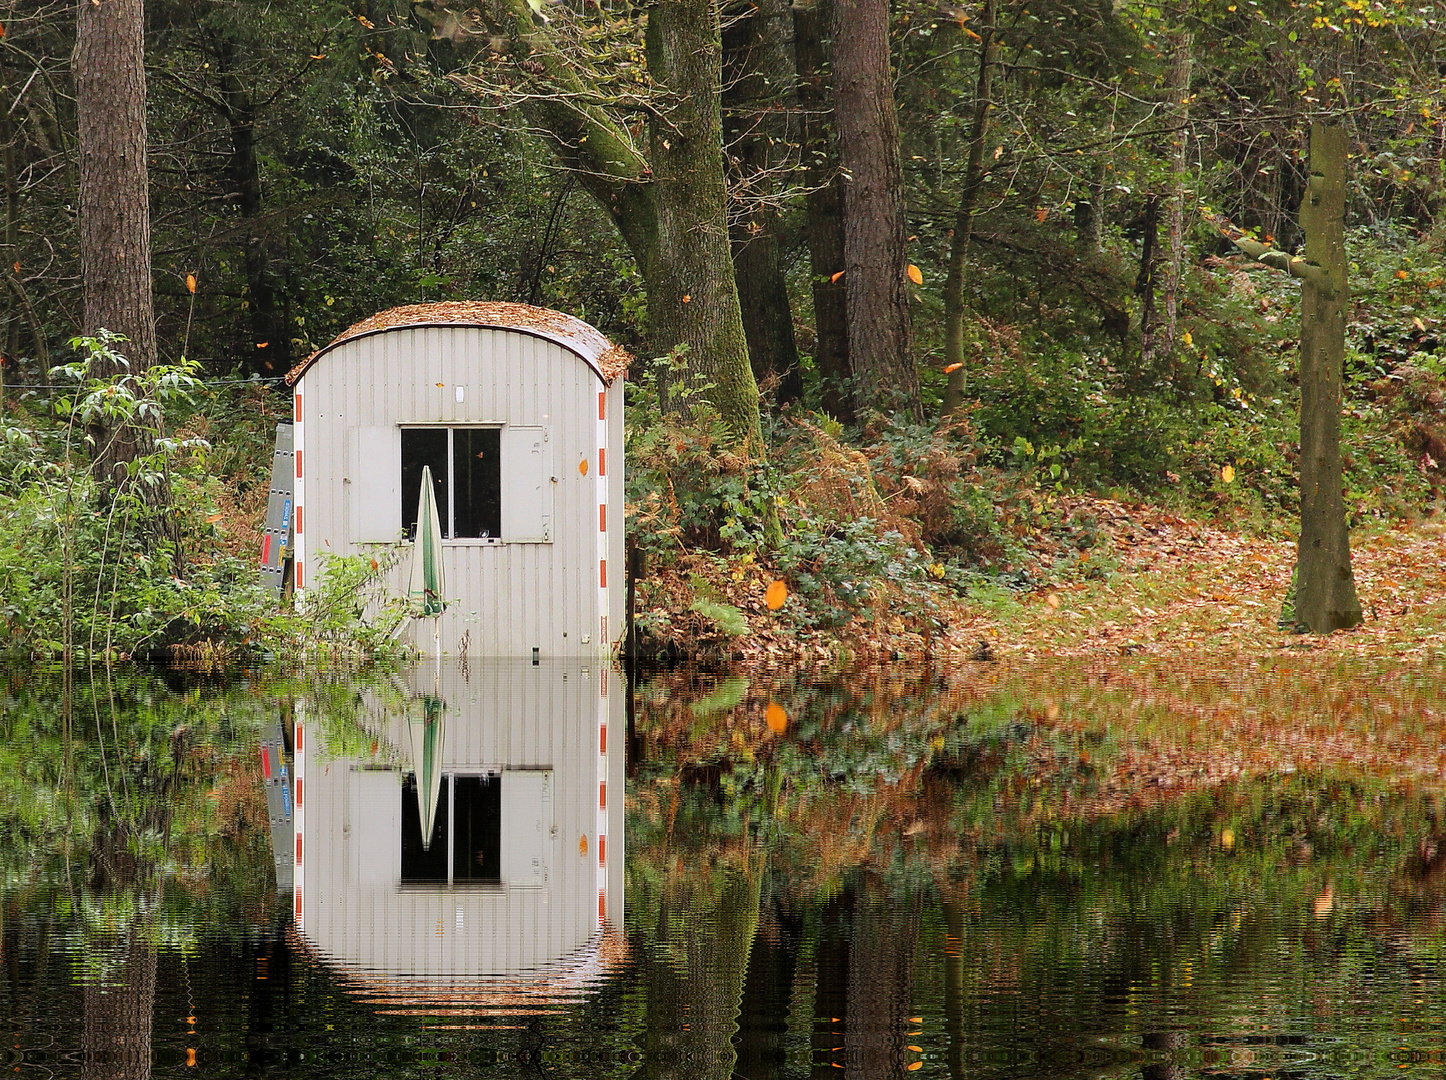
(1183, 586)
(1152, 583)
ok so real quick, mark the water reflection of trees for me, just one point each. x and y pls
(897, 819)
(131, 820)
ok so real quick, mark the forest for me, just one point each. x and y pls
(923, 298)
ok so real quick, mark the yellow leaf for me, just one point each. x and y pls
(777, 717)
(915, 274)
(1418, 324)
(776, 596)
(318, 56)
(1227, 474)
(190, 283)
(1227, 839)
(366, 22)
(1187, 339)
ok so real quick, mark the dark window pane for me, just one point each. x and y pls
(423, 446)
(423, 863)
(478, 483)
(477, 845)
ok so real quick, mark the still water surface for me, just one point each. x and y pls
(517, 871)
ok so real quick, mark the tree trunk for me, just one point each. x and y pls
(119, 1012)
(269, 350)
(964, 219)
(1145, 289)
(695, 302)
(114, 220)
(1179, 96)
(1325, 588)
(694, 982)
(875, 261)
(811, 27)
(758, 101)
(881, 956)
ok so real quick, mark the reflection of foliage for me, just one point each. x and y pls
(142, 783)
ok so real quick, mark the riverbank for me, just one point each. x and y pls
(1152, 582)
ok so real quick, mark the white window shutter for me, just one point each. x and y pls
(526, 485)
(526, 827)
(374, 475)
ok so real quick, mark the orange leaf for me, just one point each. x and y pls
(1052, 600)
(262, 344)
(777, 717)
(915, 274)
(1402, 274)
(318, 56)
(687, 298)
(776, 596)
(835, 277)
(582, 844)
(1227, 473)
(17, 268)
(952, 368)
(582, 467)
(971, 33)
(213, 519)
(191, 283)
(366, 22)
(1041, 213)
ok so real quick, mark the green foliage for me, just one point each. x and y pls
(88, 573)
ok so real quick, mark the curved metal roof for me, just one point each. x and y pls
(608, 361)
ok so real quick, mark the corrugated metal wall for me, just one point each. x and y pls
(357, 913)
(514, 597)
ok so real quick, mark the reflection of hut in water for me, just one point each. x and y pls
(520, 874)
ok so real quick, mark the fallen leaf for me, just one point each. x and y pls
(1227, 473)
(776, 596)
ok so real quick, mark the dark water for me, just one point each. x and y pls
(867, 875)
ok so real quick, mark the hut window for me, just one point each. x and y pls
(466, 840)
(466, 472)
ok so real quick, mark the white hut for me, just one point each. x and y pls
(518, 411)
(518, 887)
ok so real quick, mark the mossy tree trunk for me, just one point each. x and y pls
(964, 216)
(1325, 587)
(693, 303)
(669, 203)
